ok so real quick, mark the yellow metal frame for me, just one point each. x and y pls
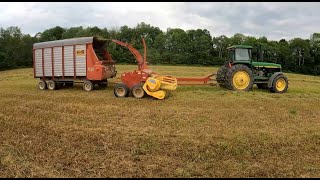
(155, 86)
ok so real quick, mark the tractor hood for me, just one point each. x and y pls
(265, 65)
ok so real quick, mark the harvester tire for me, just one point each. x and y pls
(42, 85)
(262, 86)
(221, 76)
(137, 91)
(88, 86)
(52, 85)
(121, 90)
(239, 78)
(279, 84)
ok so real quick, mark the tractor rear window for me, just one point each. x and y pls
(242, 54)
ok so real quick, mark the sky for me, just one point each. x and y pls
(275, 20)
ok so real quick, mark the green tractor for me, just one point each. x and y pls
(240, 73)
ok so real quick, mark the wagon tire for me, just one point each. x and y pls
(42, 85)
(52, 85)
(88, 86)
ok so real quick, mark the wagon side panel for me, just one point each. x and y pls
(80, 60)
(68, 61)
(47, 62)
(57, 58)
(38, 62)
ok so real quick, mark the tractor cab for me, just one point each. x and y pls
(240, 53)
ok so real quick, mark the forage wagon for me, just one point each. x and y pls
(78, 60)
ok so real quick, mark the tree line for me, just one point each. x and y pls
(174, 46)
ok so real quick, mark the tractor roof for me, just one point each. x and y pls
(240, 47)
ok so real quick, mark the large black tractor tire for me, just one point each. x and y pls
(121, 90)
(221, 76)
(280, 84)
(239, 78)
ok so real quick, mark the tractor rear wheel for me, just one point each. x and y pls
(137, 91)
(121, 90)
(239, 78)
(221, 75)
(280, 84)
(88, 86)
(52, 85)
(42, 85)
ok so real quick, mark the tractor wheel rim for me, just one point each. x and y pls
(241, 80)
(138, 92)
(281, 84)
(87, 87)
(120, 91)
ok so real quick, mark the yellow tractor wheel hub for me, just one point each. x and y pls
(241, 80)
(281, 84)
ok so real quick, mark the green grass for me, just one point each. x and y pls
(199, 131)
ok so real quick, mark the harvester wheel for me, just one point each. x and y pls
(121, 90)
(262, 86)
(88, 86)
(279, 84)
(42, 85)
(221, 76)
(137, 91)
(239, 78)
(52, 85)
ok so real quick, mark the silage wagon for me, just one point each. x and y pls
(78, 60)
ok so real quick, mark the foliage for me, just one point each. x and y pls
(173, 46)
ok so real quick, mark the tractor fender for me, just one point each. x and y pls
(272, 78)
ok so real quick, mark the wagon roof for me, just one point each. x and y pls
(64, 42)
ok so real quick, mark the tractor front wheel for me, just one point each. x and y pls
(121, 90)
(280, 84)
(137, 91)
(239, 78)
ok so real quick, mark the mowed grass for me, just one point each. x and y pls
(198, 131)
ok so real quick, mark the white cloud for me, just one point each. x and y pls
(271, 19)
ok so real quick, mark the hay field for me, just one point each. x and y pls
(199, 131)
